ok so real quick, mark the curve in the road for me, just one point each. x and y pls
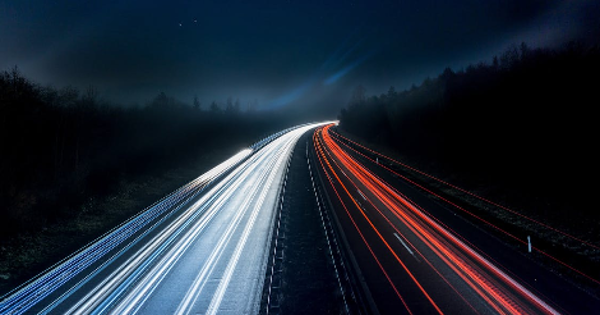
(206, 254)
(393, 230)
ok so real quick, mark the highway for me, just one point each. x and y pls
(206, 248)
(415, 262)
(202, 249)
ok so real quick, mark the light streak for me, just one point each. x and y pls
(466, 192)
(487, 222)
(492, 285)
(404, 244)
(23, 298)
(324, 162)
(443, 277)
(232, 214)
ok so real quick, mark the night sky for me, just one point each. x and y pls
(280, 53)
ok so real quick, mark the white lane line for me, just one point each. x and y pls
(337, 275)
(361, 194)
(406, 246)
(364, 209)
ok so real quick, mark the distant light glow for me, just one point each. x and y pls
(333, 61)
(290, 96)
(338, 75)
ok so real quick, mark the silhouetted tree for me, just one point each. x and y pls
(90, 97)
(229, 104)
(214, 107)
(236, 105)
(391, 94)
(196, 103)
(161, 101)
(358, 95)
(253, 105)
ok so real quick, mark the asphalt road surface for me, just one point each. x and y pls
(417, 257)
(202, 249)
(373, 247)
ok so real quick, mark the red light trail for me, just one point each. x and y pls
(337, 137)
(461, 269)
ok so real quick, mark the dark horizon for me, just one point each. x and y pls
(278, 55)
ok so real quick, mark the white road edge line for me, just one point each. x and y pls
(406, 246)
(361, 194)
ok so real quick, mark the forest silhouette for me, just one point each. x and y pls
(61, 147)
(521, 128)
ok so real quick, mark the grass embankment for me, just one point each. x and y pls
(26, 254)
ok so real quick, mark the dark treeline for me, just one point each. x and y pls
(60, 147)
(524, 123)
